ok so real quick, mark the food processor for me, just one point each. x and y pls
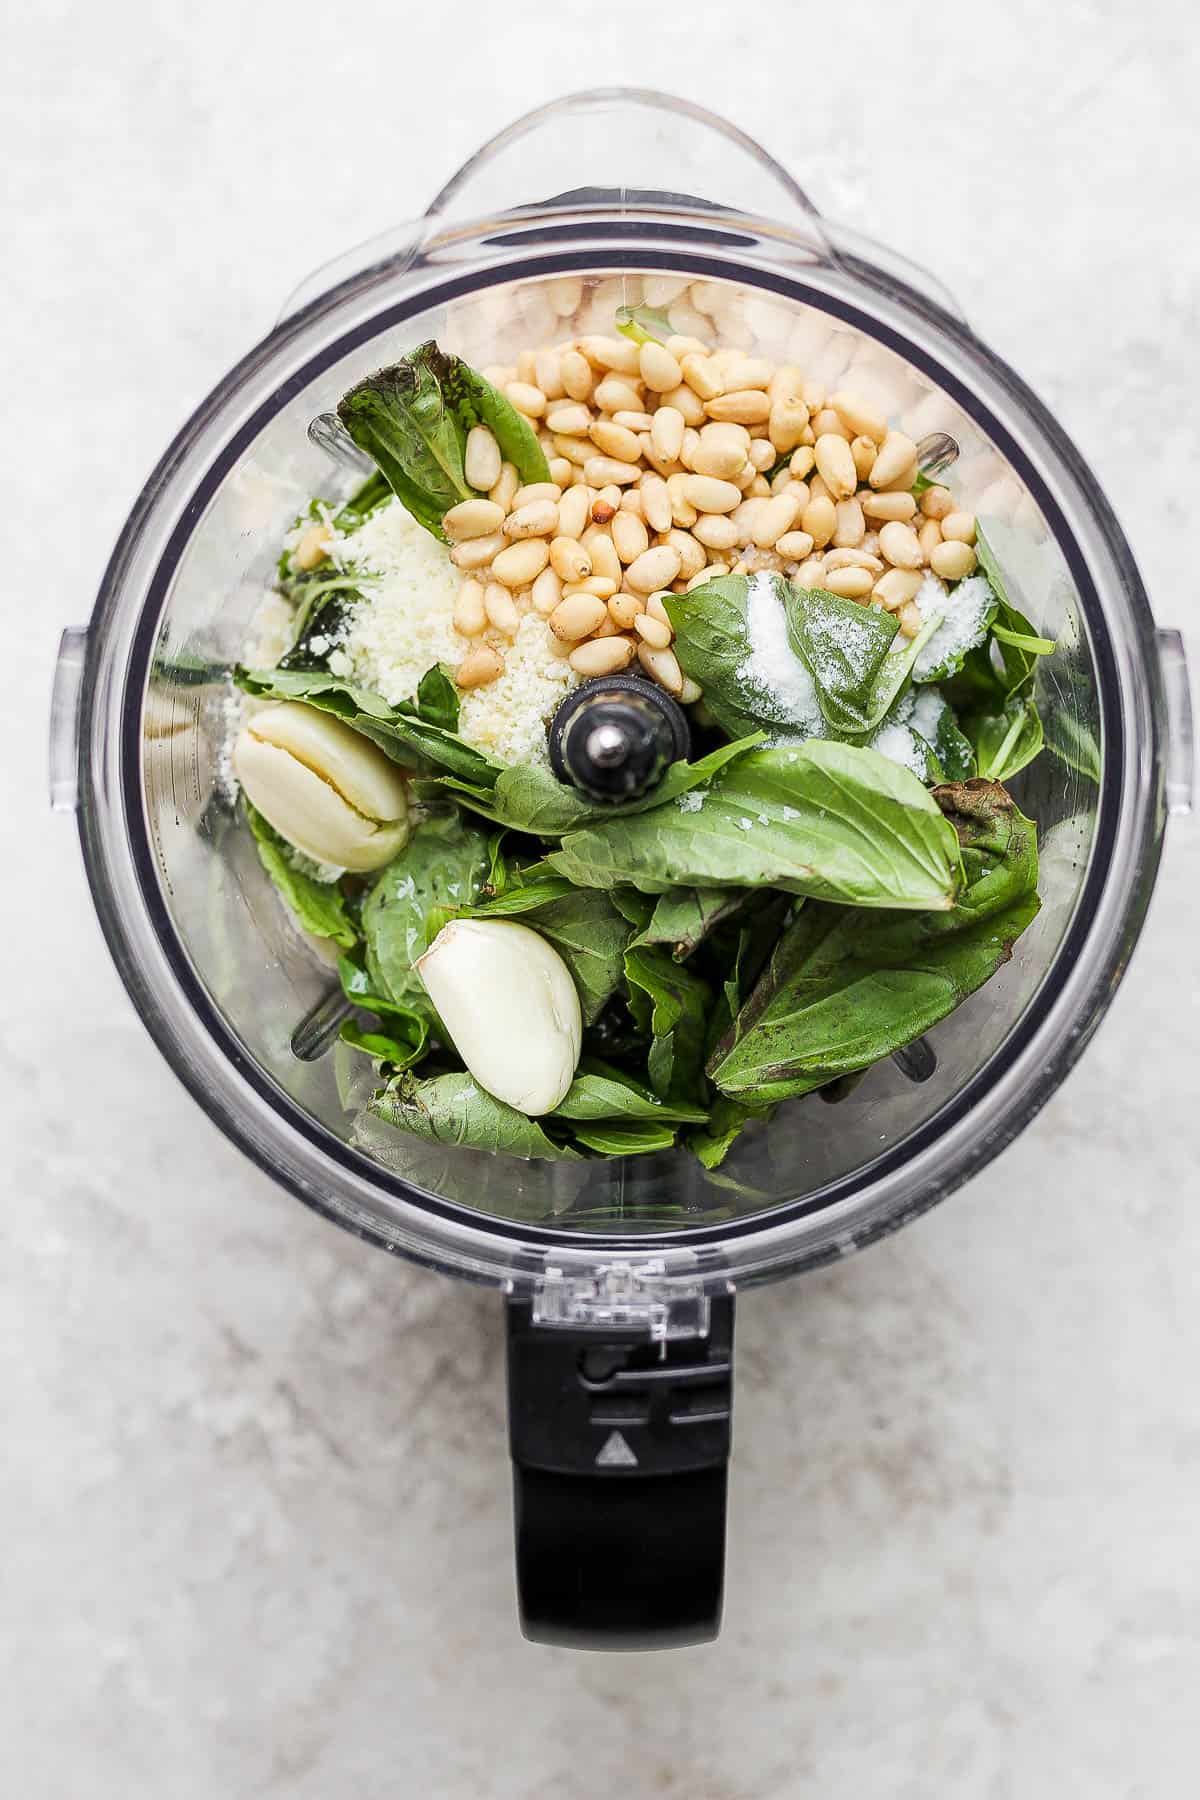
(618, 1276)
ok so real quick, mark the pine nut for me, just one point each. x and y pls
(501, 608)
(656, 605)
(819, 519)
(687, 402)
(888, 506)
(800, 489)
(547, 373)
(716, 531)
(309, 548)
(896, 588)
(655, 568)
(526, 398)
(478, 667)
(850, 583)
(847, 558)
(709, 495)
(748, 372)
(827, 423)
(498, 373)
(577, 377)
(836, 465)
(662, 666)
(721, 451)
(793, 546)
(470, 617)
(744, 516)
(575, 450)
(953, 560)
(895, 454)
(859, 416)
(565, 293)
(899, 545)
(759, 486)
(689, 444)
(937, 502)
(690, 692)
(682, 510)
(623, 609)
(521, 563)
(811, 574)
(652, 631)
(546, 592)
(504, 487)
(605, 561)
(605, 506)
(537, 519)
(702, 376)
(691, 555)
(481, 458)
(803, 461)
(603, 656)
(903, 482)
(630, 537)
(910, 619)
(776, 517)
(665, 466)
(634, 421)
(569, 419)
(599, 471)
(813, 395)
(472, 519)
(656, 502)
(744, 406)
(959, 527)
(615, 395)
(667, 431)
(864, 450)
(573, 510)
(561, 471)
(762, 455)
(476, 553)
(576, 617)
(631, 501)
(600, 587)
(613, 440)
(611, 353)
(785, 424)
(929, 536)
(569, 560)
(818, 490)
(851, 526)
(659, 369)
(605, 629)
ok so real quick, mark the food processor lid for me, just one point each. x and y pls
(473, 240)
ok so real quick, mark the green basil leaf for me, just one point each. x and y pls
(324, 601)
(713, 645)
(685, 917)
(677, 1003)
(600, 1091)
(1017, 664)
(1022, 640)
(398, 1049)
(843, 990)
(399, 732)
(443, 867)
(836, 821)
(413, 419)
(727, 1120)
(582, 924)
(438, 699)
(1007, 741)
(644, 324)
(317, 906)
(625, 1137)
(360, 986)
(453, 1109)
(844, 646)
(530, 798)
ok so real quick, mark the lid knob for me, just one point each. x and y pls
(615, 737)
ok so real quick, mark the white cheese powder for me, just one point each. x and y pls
(773, 669)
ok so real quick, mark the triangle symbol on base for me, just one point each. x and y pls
(615, 1453)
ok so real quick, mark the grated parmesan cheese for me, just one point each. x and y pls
(405, 624)
(961, 613)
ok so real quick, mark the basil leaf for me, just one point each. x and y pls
(685, 917)
(843, 990)
(360, 986)
(1021, 640)
(399, 1048)
(836, 821)
(324, 602)
(1007, 741)
(675, 1003)
(644, 324)
(530, 798)
(601, 1092)
(583, 925)
(438, 699)
(713, 645)
(844, 645)
(625, 1137)
(398, 730)
(413, 419)
(317, 906)
(726, 1123)
(452, 1109)
(1017, 662)
(443, 866)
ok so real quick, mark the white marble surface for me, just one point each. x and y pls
(254, 1494)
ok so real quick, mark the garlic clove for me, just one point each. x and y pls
(361, 772)
(512, 1010)
(329, 798)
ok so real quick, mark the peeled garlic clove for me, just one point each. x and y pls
(508, 1001)
(328, 790)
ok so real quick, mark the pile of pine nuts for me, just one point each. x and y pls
(659, 457)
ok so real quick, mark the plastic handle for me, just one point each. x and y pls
(1180, 763)
(620, 140)
(620, 1448)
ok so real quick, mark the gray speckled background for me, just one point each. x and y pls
(255, 1493)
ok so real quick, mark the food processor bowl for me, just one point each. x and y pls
(632, 1259)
